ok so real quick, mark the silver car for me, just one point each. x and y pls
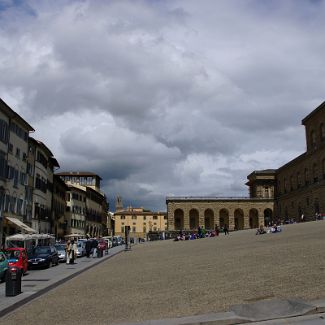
(61, 252)
(81, 246)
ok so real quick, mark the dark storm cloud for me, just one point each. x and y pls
(165, 97)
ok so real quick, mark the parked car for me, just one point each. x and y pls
(3, 266)
(117, 241)
(108, 239)
(61, 252)
(44, 256)
(17, 257)
(81, 246)
(120, 240)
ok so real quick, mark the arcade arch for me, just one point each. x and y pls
(253, 218)
(239, 219)
(179, 219)
(268, 216)
(224, 218)
(208, 219)
(194, 219)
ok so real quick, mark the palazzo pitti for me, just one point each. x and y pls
(294, 190)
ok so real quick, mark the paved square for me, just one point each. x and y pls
(171, 279)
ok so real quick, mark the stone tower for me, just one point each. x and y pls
(118, 204)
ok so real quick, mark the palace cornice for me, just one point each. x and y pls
(215, 199)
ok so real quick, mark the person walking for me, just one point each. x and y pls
(72, 254)
(88, 246)
(75, 250)
(94, 246)
(199, 232)
(67, 251)
(225, 229)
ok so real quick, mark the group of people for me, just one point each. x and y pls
(201, 233)
(91, 247)
(71, 249)
(273, 229)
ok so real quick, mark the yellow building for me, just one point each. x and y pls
(141, 222)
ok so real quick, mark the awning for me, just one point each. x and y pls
(75, 235)
(21, 225)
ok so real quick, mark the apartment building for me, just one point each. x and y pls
(14, 134)
(75, 215)
(94, 220)
(59, 207)
(42, 166)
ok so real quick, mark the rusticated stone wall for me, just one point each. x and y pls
(189, 213)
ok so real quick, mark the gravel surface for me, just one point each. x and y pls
(171, 279)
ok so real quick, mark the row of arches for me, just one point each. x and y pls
(224, 219)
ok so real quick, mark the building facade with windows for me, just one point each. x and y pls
(59, 207)
(96, 206)
(43, 170)
(13, 154)
(301, 182)
(140, 221)
(75, 215)
(295, 191)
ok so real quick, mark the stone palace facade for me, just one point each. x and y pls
(296, 191)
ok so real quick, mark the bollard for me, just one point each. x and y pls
(13, 282)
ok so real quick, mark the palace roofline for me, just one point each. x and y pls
(316, 110)
(213, 198)
(294, 160)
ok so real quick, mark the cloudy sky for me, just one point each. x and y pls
(162, 98)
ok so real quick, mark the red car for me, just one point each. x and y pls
(17, 257)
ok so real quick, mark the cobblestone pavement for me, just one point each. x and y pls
(172, 279)
(36, 282)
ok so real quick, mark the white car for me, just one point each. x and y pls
(108, 241)
(81, 246)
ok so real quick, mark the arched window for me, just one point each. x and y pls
(285, 185)
(322, 132)
(291, 183)
(306, 176)
(298, 180)
(313, 139)
(315, 173)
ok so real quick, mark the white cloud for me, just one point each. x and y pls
(161, 97)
